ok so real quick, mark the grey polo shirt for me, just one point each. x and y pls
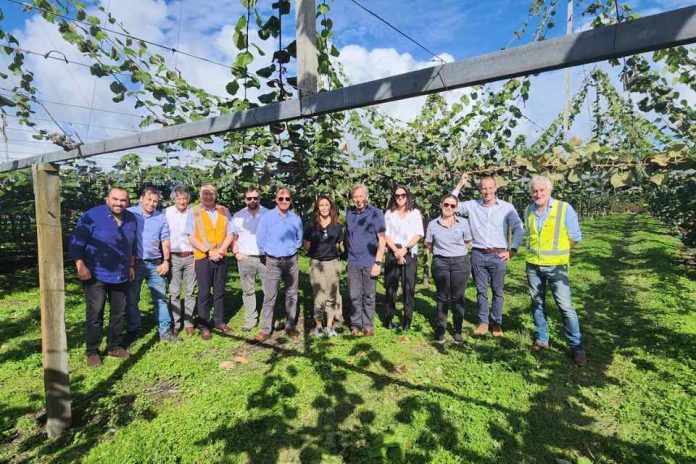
(448, 241)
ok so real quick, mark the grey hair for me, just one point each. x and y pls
(181, 190)
(541, 180)
(359, 186)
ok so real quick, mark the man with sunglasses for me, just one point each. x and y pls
(245, 224)
(278, 237)
(490, 220)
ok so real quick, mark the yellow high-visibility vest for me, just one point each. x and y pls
(551, 245)
(207, 233)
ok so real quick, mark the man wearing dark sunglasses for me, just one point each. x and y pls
(245, 224)
(491, 220)
(278, 237)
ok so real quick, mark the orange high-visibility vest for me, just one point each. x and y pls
(208, 234)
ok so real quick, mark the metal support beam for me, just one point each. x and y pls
(54, 345)
(566, 84)
(664, 30)
(307, 61)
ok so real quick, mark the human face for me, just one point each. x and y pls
(540, 194)
(117, 201)
(149, 202)
(487, 188)
(360, 199)
(400, 197)
(283, 200)
(324, 208)
(252, 200)
(448, 207)
(181, 202)
(208, 198)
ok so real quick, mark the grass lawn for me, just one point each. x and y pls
(390, 398)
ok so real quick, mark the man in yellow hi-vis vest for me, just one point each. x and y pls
(209, 230)
(551, 230)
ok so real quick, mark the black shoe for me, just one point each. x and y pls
(440, 339)
(392, 326)
(130, 338)
(458, 339)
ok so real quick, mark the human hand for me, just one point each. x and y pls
(376, 270)
(163, 268)
(83, 272)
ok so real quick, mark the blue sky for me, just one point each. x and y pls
(452, 29)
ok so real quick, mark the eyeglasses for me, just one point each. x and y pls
(252, 198)
(399, 195)
(283, 198)
(449, 205)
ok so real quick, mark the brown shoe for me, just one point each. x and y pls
(190, 331)
(580, 359)
(262, 337)
(496, 330)
(93, 360)
(369, 332)
(222, 327)
(118, 353)
(292, 333)
(205, 334)
(482, 329)
(355, 332)
(538, 346)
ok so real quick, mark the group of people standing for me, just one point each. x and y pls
(116, 248)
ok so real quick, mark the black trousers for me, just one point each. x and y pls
(210, 274)
(96, 293)
(405, 274)
(451, 275)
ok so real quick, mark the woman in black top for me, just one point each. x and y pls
(322, 240)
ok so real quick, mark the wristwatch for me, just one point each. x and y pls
(378, 262)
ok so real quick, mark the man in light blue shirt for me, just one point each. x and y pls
(278, 237)
(491, 220)
(151, 263)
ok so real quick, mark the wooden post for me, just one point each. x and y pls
(54, 346)
(307, 61)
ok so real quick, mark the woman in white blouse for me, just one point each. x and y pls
(404, 229)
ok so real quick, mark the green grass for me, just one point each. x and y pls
(389, 398)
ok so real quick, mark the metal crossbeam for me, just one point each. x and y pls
(664, 30)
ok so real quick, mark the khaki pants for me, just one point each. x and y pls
(324, 276)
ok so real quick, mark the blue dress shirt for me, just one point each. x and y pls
(362, 229)
(489, 224)
(151, 230)
(279, 235)
(105, 247)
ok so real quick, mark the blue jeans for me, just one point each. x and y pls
(158, 290)
(488, 271)
(557, 279)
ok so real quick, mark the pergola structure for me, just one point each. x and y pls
(665, 30)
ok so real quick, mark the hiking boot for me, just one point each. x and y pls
(118, 353)
(170, 337)
(355, 332)
(458, 339)
(190, 331)
(538, 346)
(93, 360)
(482, 329)
(580, 359)
(369, 332)
(496, 330)
(262, 337)
(440, 339)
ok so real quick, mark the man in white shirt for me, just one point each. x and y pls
(182, 268)
(245, 222)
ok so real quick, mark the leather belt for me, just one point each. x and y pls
(182, 254)
(490, 251)
(281, 258)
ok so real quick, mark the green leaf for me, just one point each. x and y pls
(243, 60)
(267, 71)
(621, 179)
(232, 87)
(658, 179)
(323, 8)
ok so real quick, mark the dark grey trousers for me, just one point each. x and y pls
(363, 289)
(96, 293)
(287, 270)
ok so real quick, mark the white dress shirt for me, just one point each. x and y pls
(176, 220)
(401, 231)
(244, 226)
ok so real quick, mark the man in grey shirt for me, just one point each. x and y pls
(490, 219)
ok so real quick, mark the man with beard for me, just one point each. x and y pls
(103, 246)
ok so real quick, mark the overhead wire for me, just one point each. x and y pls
(120, 33)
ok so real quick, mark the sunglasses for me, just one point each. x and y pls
(449, 205)
(283, 198)
(252, 198)
(399, 195)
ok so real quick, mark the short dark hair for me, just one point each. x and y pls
(149, 190)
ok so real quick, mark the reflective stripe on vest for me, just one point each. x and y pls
(559, 252)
